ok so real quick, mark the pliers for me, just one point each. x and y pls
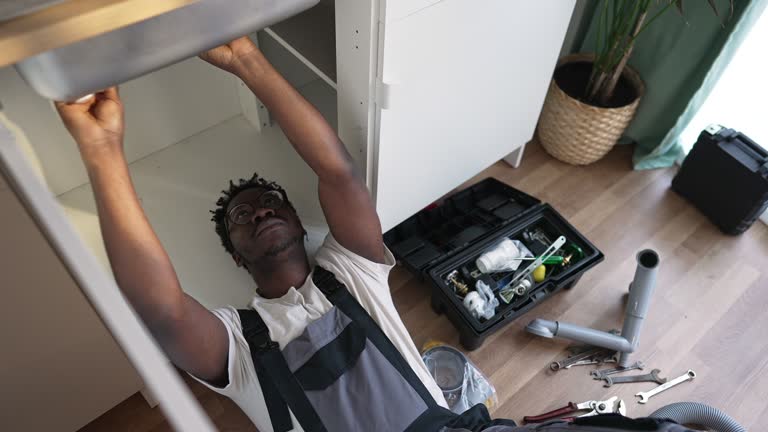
(612, 405)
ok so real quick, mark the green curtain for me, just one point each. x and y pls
(680, 58)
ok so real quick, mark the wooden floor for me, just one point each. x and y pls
(709, 312)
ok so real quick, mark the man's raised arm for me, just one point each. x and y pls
(191, 336)
(345, 200)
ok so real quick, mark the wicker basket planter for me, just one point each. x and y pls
(579, 133)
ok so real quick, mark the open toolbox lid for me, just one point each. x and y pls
(453, 232)
(447, 228)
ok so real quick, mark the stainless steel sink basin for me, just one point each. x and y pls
(73, 71)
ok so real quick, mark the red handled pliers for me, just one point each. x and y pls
(612, 405)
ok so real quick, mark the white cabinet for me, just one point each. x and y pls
(424, 93)
(430, 92)
(465, 81)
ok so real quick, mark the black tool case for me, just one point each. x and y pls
(726, 177)
(454, 233)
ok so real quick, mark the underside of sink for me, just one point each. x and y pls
(73, 71)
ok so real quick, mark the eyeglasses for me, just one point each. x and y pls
(242, 214)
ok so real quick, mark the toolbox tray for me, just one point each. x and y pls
(457, 230)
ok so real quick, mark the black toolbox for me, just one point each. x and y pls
(726, 177)
(452, 234)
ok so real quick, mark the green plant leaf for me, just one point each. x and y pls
(713, 5)
(653, 18)
(618, 28)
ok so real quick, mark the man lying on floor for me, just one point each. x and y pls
(318, 349)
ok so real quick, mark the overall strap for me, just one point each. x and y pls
(256, 334)
(279, 386)
(338, 295)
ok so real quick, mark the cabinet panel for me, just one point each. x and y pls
(59, 360)
(464, 84)
(356, 48)
(102, 294)
(398, 9)
(312, 37)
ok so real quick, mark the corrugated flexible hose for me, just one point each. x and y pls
(699, 414)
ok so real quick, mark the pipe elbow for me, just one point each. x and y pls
(543, 328)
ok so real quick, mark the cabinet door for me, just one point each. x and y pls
(61, 368)
(463, 85)
(65, 369)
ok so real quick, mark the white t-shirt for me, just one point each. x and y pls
(288, 316)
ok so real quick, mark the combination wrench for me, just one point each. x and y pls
(589, 362)
(601, 374)
(644, 396)
(585, 357)
(651, 377)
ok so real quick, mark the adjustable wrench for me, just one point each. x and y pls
(651, 377)
(644, 396)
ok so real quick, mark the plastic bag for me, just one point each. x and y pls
(503, 256)
(461, 382)
(488, 310)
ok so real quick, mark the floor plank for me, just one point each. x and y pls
(708, 312)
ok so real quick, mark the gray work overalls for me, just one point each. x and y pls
(343, 374)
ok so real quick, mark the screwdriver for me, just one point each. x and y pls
(553, 260)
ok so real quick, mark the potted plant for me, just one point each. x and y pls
(593, 97)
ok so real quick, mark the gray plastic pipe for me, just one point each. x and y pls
(695, 413)
(640, 294)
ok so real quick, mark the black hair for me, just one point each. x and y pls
(220, 213)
